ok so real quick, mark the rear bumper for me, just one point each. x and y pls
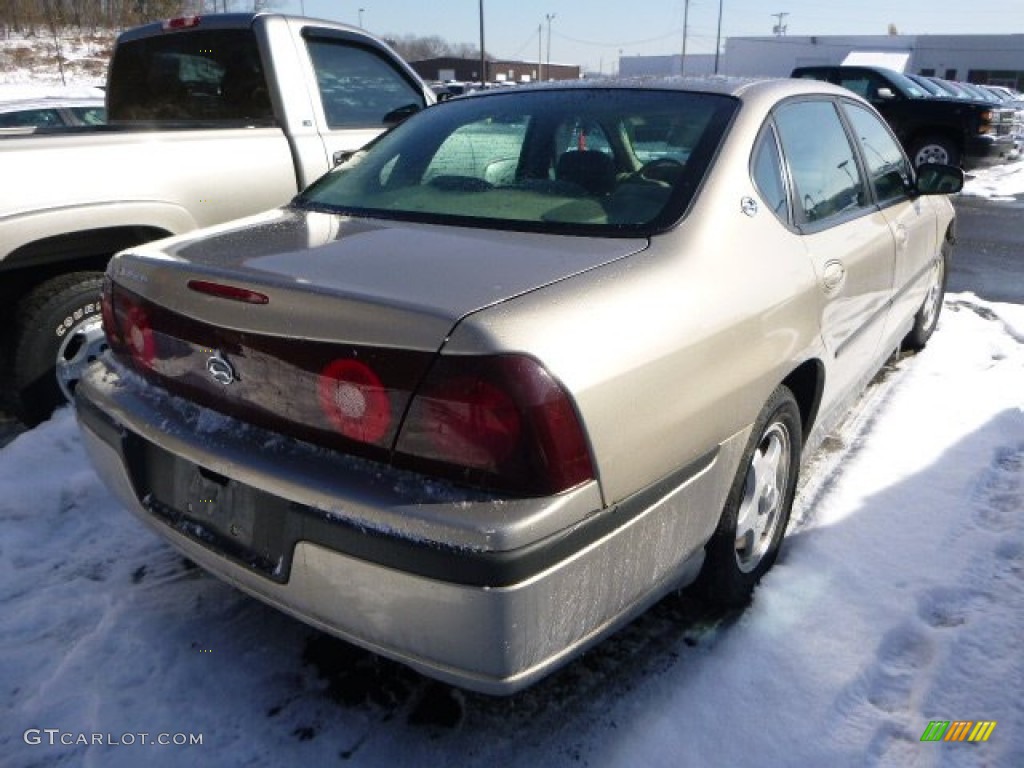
(483, 593)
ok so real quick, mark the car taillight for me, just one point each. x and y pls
(354, 400)
(127, 325)
(501, 422)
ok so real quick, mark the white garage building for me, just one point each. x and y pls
(993, 59)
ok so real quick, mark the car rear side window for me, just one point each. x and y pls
(767, 172)
(824, 169)
(888, 168)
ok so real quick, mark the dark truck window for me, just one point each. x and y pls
(200, 77)
(358, 86)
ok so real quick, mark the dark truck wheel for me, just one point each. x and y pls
(58, 333)
(934, 149)
(757, 509)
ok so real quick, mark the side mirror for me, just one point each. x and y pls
(400, 114)
(885, 94)
(938, 179)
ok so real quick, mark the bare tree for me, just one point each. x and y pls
(415, 48)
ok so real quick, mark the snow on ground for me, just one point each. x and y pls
(1001, 182)
(21, 91)
(32, 60)
(899, 599)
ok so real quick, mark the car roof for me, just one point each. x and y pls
(744, 88)
(52, 102)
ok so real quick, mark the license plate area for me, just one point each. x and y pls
(215, 502)
(250, 527)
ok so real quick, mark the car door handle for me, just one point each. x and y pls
(833, 277)
(901, 238)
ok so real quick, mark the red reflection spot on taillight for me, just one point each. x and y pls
(472, 423)
(354, 400)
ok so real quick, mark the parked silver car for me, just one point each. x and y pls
(48, 112)
(523, 366)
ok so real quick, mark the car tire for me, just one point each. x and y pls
(927, 317)
(934, 149)
(756, 513)
(58, 333)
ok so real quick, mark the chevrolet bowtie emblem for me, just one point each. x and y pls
(220, 369)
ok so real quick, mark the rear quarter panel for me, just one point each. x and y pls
(671, 352)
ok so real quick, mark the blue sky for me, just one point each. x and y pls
(593, 32)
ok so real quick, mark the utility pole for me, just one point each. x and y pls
(779, 29)
(361, 17)
(686, 23)
(549, 17)
(718, 37)
(540, 53)
(483, 58)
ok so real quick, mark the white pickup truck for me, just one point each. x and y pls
(210, 118)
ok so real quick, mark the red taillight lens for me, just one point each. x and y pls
(501, 422)
(138, 334)
(470, 422)
(354, 400)
(127, 325)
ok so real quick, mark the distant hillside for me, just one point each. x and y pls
(83, 56)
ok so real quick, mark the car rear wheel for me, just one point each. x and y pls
(59, 332)
(756, 513)
(927, 317)
(934, 149)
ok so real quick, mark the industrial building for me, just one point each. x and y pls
(468, 70)
(992, 59)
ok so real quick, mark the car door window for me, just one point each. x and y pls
(825, 174)
(767, 173)
(888, 168)
(359, 87)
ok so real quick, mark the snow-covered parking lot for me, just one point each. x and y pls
(898, 600)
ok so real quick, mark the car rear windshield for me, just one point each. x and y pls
(585, 160)
(205, 76)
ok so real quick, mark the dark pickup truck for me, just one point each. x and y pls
(932, 130)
